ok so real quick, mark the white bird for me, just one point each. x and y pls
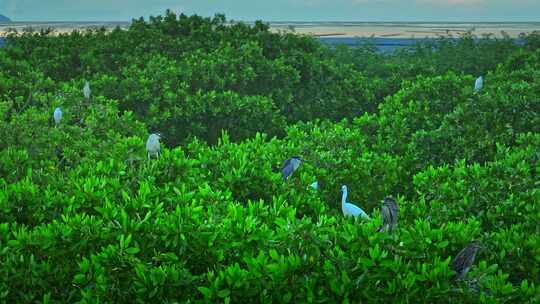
(57, 115)
(87, 91)
(315, 185)
(350, 209)
(152, 145)
(478, 84)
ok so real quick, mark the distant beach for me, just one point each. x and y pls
(406, 29)
(386, 36)
(59, 27)
(332, 29)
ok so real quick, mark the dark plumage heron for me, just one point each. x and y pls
(389, 212)
(289, 166)
(465, 258)
(59, 152)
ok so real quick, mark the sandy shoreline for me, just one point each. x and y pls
(330, 29)
(408, 31)
(58, 27)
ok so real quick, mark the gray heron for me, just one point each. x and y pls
(289, 166)
(389, 213)
(465, 259)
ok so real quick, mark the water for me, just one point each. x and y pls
(388, 36)
(384, 45)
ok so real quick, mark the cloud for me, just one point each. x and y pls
(452, 3)
(371, 1)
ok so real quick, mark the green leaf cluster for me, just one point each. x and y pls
(86, 218)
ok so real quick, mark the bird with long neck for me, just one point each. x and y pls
(350, 209)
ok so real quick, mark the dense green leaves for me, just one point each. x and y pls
(86, 218)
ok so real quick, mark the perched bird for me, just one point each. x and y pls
(87, 91)
(289, 166)
(478, 84)
(57, 115)
(315, 185)
(465, 258)
(389, 212)
(58, 151)
(350, 209)
(152, 145)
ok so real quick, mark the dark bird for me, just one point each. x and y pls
(289, 166)
(59, 152)
(389, 212)
(465, 258)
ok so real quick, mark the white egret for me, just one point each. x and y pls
(350, 209)
(57, 115)
(152, 145)
(478, 84)
(87, 91)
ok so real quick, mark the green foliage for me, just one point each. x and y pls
(161, 69)
(86, 218)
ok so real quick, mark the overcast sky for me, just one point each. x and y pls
(277, 10)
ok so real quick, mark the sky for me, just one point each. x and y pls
(277, 10)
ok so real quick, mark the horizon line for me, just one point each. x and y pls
(276, 21)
